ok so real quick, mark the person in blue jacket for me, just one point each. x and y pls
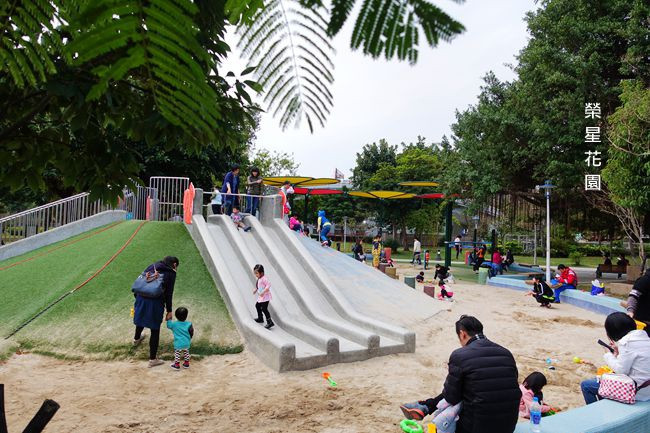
(324, 226)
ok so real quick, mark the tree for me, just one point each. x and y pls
(290, 46)
(627, 172)
(273, 163)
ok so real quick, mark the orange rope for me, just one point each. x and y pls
(62, 297)
(59, 247)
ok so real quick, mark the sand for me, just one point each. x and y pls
(237, 393)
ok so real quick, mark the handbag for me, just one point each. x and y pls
(619, 387)
(148, 288)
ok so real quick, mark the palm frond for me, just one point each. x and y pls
(158, 37)
(29, 40)
(392, 27)
(290, 46)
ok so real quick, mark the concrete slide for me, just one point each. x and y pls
(322, 316)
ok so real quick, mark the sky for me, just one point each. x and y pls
(375, 99)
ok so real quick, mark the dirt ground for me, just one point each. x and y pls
(237, 393)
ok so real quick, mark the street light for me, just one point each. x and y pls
(547, 192)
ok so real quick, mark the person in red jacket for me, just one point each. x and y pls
(568, 279)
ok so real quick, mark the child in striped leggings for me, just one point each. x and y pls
(183, 333)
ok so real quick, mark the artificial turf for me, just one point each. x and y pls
(95, 321)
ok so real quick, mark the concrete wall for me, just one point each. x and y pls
(60, 233)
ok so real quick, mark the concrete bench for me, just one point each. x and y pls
(605, 416)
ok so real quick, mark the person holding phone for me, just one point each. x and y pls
(628, 354)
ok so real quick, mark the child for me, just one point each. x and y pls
(426, 259)
(183, 333)
(238, 220)
(215, 202)
(443, 292)
(376, 251)
(541, 292)
(324, 227)
(532, 387)
(294, 224)
(263, 292)
(420, 277)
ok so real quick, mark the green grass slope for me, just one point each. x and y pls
(95, 321)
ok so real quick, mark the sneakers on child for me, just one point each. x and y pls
(259, 320)
(247, 229)
(138, 341)
(414, 411)
(269, 324)
(186, 364)
(176, 366)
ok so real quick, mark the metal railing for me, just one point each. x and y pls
(170, 196)
(49, 216)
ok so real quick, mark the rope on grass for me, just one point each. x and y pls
(59, 247)
(65, 295)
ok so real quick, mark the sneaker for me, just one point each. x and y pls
(414, 411)
(259, 320)
(247, 229)
(186, 364)
(155, 362)
(138, 341)
(176, 366)
(269, 324)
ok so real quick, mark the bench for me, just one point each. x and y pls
(610, 269)
(604, 416)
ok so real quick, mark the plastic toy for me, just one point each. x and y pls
(604, 369)
(577, 360)
(327, 377)
(431, 428)
(640, 325)
(410, 426)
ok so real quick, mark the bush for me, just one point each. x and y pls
(562, 247)
(575, 256)
(514, 246)
(392, 243)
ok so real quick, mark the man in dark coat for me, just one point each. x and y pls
(638, 303)
(230, 188)
(483, 377)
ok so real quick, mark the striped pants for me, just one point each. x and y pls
(179, 352)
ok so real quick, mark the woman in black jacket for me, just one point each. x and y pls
(148, 312)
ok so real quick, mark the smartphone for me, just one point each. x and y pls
(602, 343)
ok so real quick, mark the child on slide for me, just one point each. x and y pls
(238, 220)
(263, 292)
(324, 227)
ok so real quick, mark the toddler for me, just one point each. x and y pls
(426, 259)
(444, 293)
(183, 333)
(238, 220)
(530, 388)
(420, 277)
(263, 292)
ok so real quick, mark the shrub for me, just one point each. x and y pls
(514, 246)
(561, 247)
(575, 256)
(392, 243)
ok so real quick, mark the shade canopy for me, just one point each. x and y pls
(381, 194)
(431, 196)
(299, 181)
(316, 191)
(419, 183)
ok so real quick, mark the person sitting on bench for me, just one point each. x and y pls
(608, 262)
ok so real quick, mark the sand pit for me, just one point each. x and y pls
(236, 393)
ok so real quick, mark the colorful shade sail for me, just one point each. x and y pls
(381, 194)
(299, 181)
(421, 183)
(431, 196)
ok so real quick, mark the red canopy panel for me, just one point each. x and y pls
(436, 195)
(316, 191)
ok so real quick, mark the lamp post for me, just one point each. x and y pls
(547, 193)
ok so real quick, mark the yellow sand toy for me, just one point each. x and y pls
(640, 325)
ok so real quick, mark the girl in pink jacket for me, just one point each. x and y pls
(532, 387)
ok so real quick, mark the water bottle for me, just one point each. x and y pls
(535, 416)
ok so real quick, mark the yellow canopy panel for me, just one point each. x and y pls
(419, 183)
(319, 181)
(280, 180)
(381, 194)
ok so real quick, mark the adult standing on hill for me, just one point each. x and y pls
(230, 188)
(148, 312)
(254, 189)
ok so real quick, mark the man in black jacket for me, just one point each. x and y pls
(638, 303)
(483, 377)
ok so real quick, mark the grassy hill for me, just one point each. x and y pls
(95, 321)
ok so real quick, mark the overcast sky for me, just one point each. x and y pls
(375, 99)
